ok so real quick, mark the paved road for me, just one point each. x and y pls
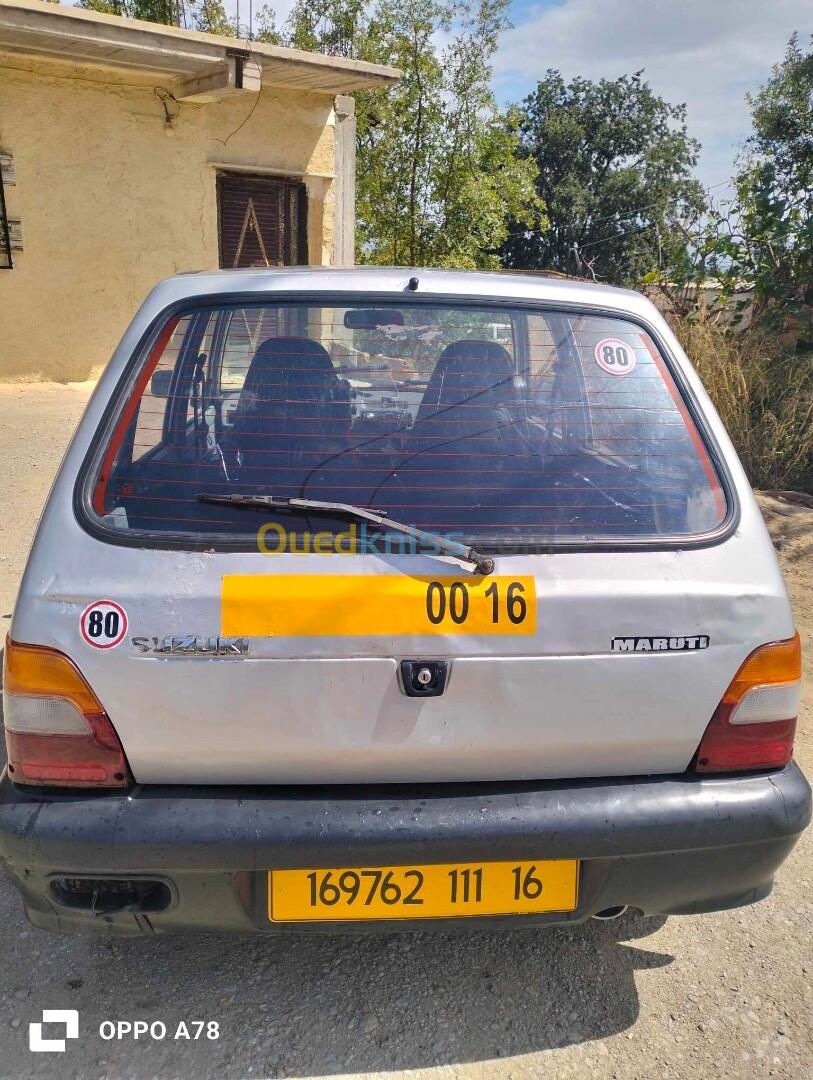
(727, 995)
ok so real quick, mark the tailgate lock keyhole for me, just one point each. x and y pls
(423, 678)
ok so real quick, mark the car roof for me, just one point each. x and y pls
(395, 280)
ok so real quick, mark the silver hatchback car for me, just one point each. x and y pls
(386, 598)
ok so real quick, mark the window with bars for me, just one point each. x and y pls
(262, 221)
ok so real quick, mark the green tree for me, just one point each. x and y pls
(438, 171)
(265, 28)
(159, 11)
(764, 236)
(207, 15)
(614, 172)
(210, 16)
(334, 27)
(758, 364)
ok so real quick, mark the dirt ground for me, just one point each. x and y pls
(726, 995)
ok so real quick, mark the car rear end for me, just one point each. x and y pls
(226, 717)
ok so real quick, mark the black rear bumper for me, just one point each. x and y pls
(665, 845)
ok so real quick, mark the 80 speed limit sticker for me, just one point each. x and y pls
(615, 357)
(103, 624)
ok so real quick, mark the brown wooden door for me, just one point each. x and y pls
(262, 221)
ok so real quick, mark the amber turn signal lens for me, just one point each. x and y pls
(779, 662)
(33, 669)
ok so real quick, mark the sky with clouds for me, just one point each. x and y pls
(705, 53)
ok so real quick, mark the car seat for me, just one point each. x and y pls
(292, 408)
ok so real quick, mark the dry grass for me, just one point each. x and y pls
(765, 399)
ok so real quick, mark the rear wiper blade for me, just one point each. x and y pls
(482, 563)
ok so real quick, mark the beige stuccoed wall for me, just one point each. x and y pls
(110, 202)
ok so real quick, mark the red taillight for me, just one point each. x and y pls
(754, 725)
(57, 732)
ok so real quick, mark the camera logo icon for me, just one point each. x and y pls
(38, 1045)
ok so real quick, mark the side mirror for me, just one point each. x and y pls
(160, 383)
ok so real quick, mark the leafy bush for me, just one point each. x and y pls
(763, 394)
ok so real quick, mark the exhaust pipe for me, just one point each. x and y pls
(610, 913)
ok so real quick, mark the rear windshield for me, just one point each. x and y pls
(505, 427)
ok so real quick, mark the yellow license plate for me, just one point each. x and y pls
(343, 605)
(437, 891)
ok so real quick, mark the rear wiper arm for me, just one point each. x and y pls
(482, 563)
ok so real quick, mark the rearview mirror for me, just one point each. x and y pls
(372, 318)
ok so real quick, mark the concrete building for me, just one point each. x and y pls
(131, 150)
